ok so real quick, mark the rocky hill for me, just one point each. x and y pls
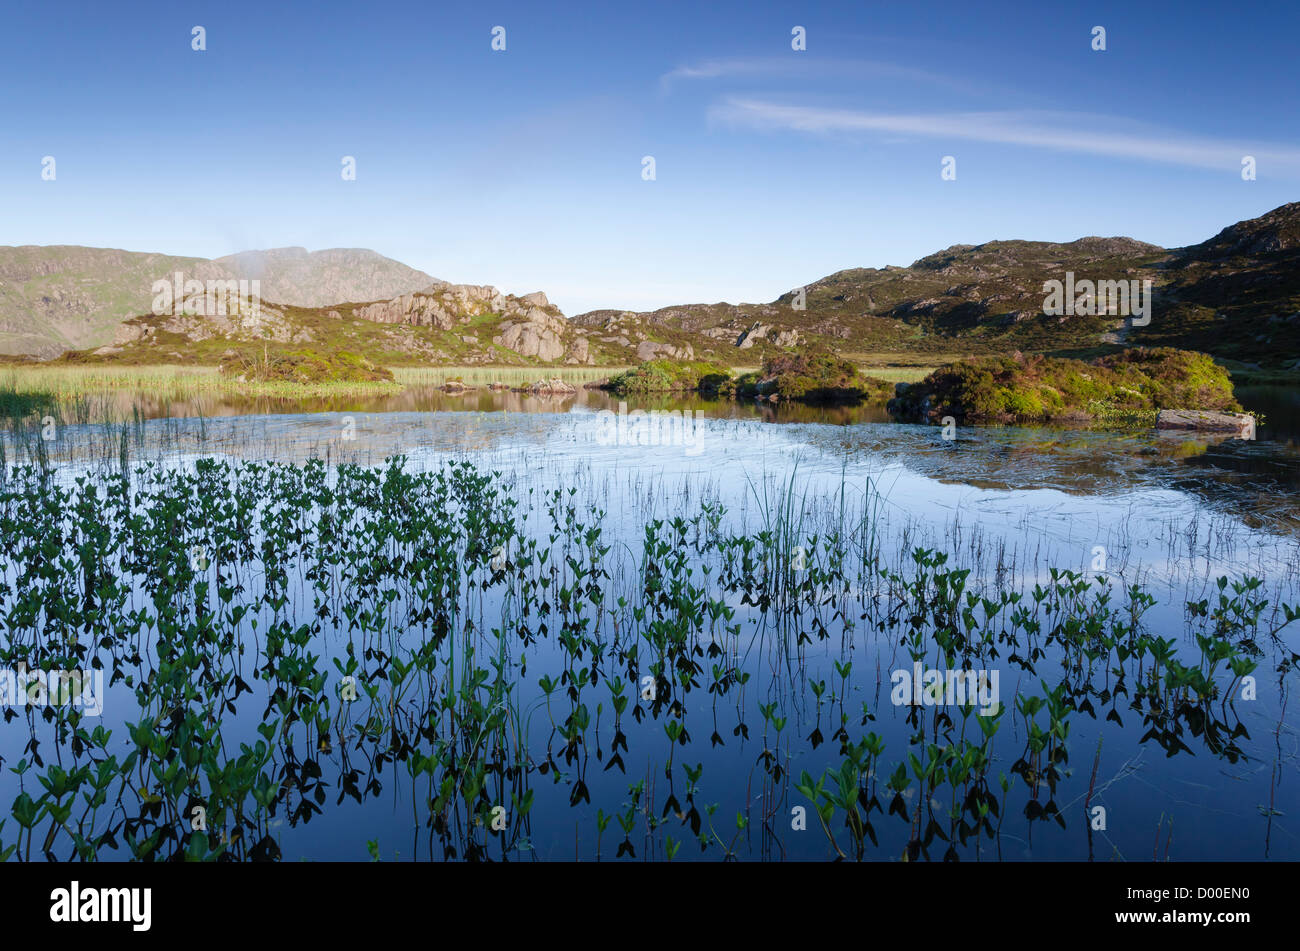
(1236, 295)
(65, 297)
(463, 324)
(986, 297)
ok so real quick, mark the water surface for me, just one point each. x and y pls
(1008, 505)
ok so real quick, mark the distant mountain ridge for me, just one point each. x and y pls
(333, 276)
(1235, 296)
(66, 297)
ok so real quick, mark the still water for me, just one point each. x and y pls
(674, 623)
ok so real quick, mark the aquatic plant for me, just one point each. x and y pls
(277, 639)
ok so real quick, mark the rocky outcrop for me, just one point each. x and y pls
(981, 299)
(236, 319)
(579, 351)
(440, 305)
(531, 325)
(752, 336)
(650, 350)
(538, 335)
(761, 331)
(469, 322)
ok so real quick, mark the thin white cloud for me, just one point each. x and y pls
(796, 66)
(1064, 132)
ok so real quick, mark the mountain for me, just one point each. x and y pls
(964, 298)
(315, 278)
(65, 297)
(1236, 295)
(58, 297)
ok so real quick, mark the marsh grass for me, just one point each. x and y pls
(65, 380)
(75, 393)
(511, 376)
(70, 384)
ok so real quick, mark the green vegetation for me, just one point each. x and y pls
(317, 330)
(67, 379)
(303, 367)
(106, 284)
(24, 381)
(1244, 374)
(670, 376)
(18, 405)
(813, 378)
(1118, 389)
(377, 619)
(807, 378)
(1131, 385)
(509, 375)
(98, 392)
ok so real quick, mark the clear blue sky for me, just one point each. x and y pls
(522, 168)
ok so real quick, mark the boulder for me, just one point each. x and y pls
(751, 336)
(551, 386)
(579, 351)
(1241, 425)
(650, 350)
(541, 336)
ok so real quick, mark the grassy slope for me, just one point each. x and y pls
(80, 304)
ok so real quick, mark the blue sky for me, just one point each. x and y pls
(523, 168)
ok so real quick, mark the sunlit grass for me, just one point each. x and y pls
(876, 366)
(899, 374)
(66, 380)
(511, 376)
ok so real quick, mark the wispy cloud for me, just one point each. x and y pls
(794, 66)
(1060, 131)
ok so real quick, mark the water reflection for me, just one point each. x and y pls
(1280, 406)
(558, 573)
(1258, 481)
(432, 399)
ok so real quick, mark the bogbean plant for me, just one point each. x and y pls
(389, 626)
(941, 625)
